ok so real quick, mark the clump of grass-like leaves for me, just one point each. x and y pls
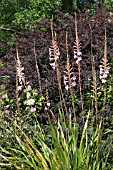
(66, 149)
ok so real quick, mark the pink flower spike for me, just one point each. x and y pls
(33, 109)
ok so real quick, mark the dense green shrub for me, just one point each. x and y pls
(18, 12)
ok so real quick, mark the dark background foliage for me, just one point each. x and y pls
(41, 33)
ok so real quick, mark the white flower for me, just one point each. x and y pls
(79, 53)
(101, 77)
(30, 102)
(65, 80)
(66, 87)
(50, 53)
(103, 81)
(103, 73)
(75, 55)
(92, 96)
(78, 59)
(7, 106)
(101, 70)
(48, 104)
(28, 95)
(5, 96)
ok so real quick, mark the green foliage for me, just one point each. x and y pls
(19, 12)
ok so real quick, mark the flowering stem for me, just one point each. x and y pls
(79, 70)
(80, 89)
(94, 78)
(37, 69)
(70, 82)
(105, 65)
(57, 68)
(17, 93)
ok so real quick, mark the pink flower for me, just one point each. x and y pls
(45, 108)
(73, 83)
(7, 111)
(20, 88)
(73, 78)
(107, 70)
(33, 109)
(53, 65)
(30, 102)
(36, 103)
(103, 81)
(29, 87)
(105, 75)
